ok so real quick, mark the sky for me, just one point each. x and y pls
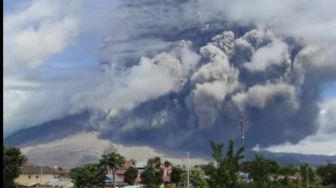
(54, 53)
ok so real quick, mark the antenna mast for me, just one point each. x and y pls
(242, 131)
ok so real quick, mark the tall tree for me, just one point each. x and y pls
(286, 171)
(151, 178)
(154, 162)
(12, 160)
(176, 175)
(130, 175)
(224, 174)
(327, 174)
(112, 161)
(88, 176)
(197, 178)
(260, 170)
(308, 175)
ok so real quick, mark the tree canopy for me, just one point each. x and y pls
(12, 161)
(327, 174)
(224, 174)
(88, 176)
(130, 175)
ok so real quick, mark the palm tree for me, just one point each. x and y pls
(112, 161)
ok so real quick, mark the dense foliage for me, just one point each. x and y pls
(151, 178)
(327, 174)
(130, 175)
(112, 161)
(176, 175)
(12, 160)
(88, 176)
(260, 170)
(223, 174)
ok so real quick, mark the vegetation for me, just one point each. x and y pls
(111, 161)
(152, 176)
(197, 178)
(327, 174)
(131, 175)
(224, 174)
(307, 174)
(154, 163)
(260, 170)
(12, 160)
(176, 175)
(88, 176)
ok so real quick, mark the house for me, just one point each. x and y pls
(119, 175)
(33, 176)
(119, 178)
(167, 169)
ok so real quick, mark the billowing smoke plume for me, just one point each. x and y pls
(177, 76)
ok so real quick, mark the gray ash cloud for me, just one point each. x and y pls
(179, 73)
(241, 69)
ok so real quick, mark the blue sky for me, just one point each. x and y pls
(328, 90)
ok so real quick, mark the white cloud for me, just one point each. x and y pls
(42, 29)
(32, 34)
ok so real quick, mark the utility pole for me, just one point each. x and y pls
(188, 176)
(41, 171)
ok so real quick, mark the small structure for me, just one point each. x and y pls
(119, 178)
(166, 173)
(119, 175)
(34, 176)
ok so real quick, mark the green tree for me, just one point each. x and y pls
(130, 175)
(197, 178)
(154, 162)
(167, 163)
(224, 174)
(151, 177)
(88, 176)
(307, 174)
(12, 160)
(286, 171)
(260, 170)
(327, 174)
(111, 161)
(176, 175)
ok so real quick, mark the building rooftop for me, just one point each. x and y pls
(37, 170)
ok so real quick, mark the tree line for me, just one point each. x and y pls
(227, 170)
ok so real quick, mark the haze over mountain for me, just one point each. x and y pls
(171, 74)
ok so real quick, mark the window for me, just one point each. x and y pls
(29, 177)
(36, 177)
